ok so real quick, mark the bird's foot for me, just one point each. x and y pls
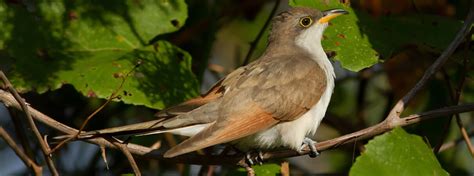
(311, 145)
(255, 160)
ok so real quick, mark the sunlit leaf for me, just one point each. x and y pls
(360, 40)
(265, 169)
(93, 45)
(397, 153)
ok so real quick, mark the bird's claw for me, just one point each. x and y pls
(256, 160)
(260, 157)
(312, 147)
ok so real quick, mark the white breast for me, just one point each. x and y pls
(291, 134)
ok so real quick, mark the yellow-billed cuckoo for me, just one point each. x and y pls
(275, 101)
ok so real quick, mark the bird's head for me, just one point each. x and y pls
(301, 22)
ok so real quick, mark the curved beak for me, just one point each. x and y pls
(330, 14)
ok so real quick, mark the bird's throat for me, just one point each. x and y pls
(310, 41)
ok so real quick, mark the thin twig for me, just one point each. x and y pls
(465, 135)
(194, 158)
(253, 44)
(10, 102)
(123, 147)
(455, 95)
(83, 125)
(27, 160)
(401, 104)
(458, 96)
(374, 130)
(447, 124)
(21, 133)
(250, 171)
(361, 98)
(206, 170)
(104, 156)
(453, 143)
(285, 169)
(31, 123)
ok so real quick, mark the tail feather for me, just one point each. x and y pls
(174, 124)
(138, 128)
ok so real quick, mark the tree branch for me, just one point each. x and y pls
(9, 101)
(123, 147)
(455, 96)
(28, 161)
(31, 123)
(455, 142)
(193, 158)
(111, 97)
(465, 135)
(382, 127)
(21, 133)
(401, 104)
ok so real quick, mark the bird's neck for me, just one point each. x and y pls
(310, 42)
(309, 47)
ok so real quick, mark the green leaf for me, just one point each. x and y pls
(397, 153)
(162, 78)
(360, 39)
(265, 169)
(93, 44)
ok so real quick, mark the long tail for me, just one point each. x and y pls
(201, 117)
(133, 129)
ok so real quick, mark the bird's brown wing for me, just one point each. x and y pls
(243, 124)
(215, 92)
(285, 86)
(262, 95)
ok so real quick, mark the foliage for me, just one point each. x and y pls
(397, 153)
(94, 45)
(360, 40)
(265, 169)
(46, 46)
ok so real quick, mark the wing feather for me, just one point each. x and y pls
(212, 94)
(253, 120)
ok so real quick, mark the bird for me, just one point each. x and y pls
(276, 101)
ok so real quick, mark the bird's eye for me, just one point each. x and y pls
(306, 21)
